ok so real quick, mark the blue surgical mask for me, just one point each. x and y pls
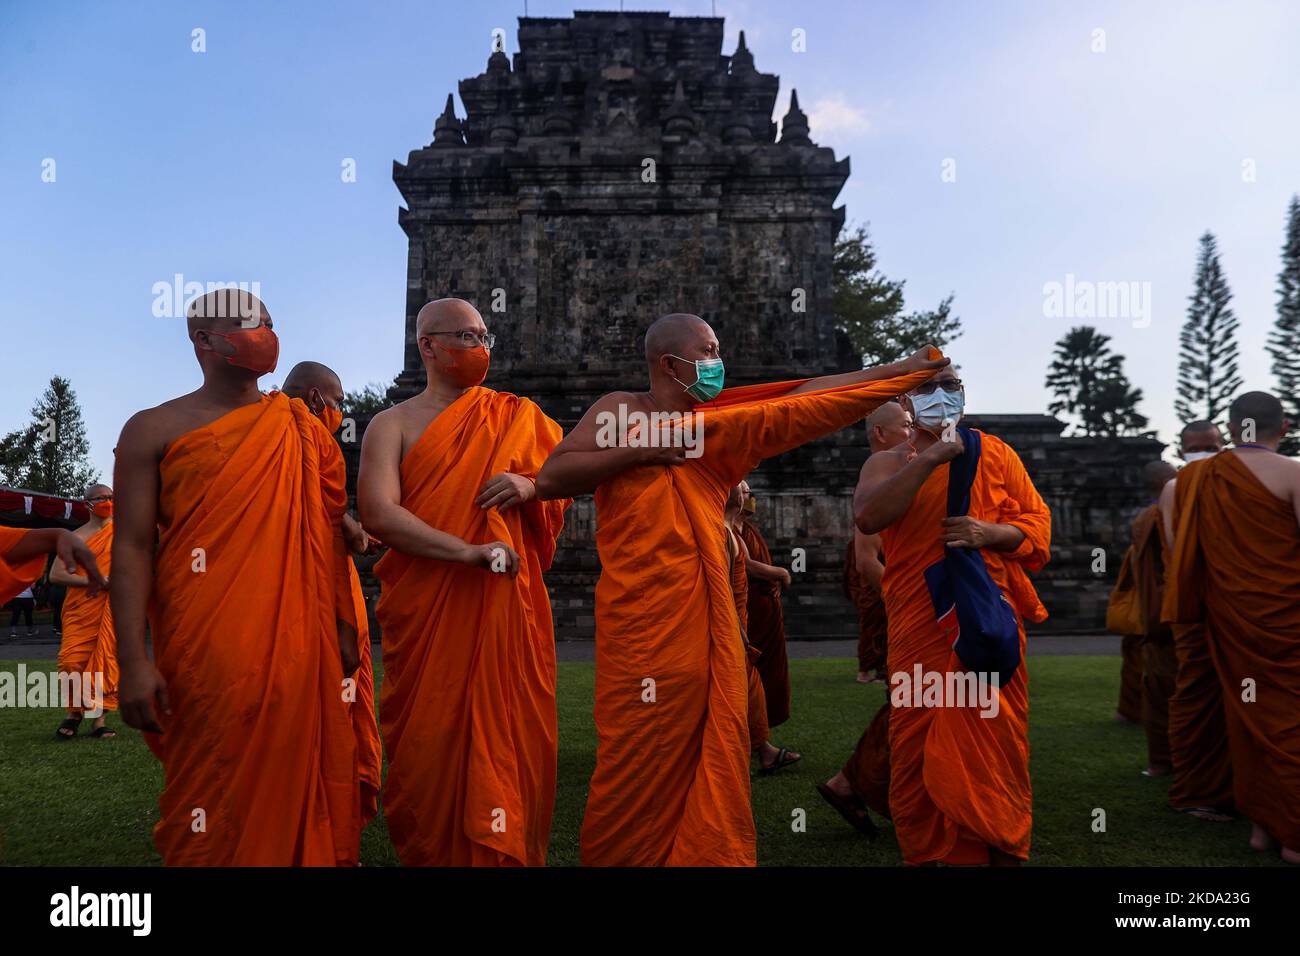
(708, 379)
(933, 411)
(1192, 456)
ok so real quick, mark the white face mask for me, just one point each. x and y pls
(1192, 456)
(933, 411)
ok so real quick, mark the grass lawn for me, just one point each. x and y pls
(93, 802)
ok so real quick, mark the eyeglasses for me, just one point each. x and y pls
(950, 385)
(470, 339)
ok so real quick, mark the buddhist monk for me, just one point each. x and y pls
(764, 617)
(23, 553)
(1201, 784)
(1135, 609)
(1235, 569)
(863, 564)
(671, 785)
(229, 536)
(863, 783)
(467, 708)
(959, 770)
(320, 389)
(88, 645)
(770, 757)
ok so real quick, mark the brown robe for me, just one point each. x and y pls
(868, 768)
(872, 628)
(1159, 661)
(756, 714)
(767, 630)
(1236, 567)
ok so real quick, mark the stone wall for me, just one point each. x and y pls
(621, 167)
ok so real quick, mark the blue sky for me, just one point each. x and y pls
(225, 165)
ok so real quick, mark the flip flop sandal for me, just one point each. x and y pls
(72, 723)
(848, 808)
(1197, 812)
(104, 731)
(779, 762)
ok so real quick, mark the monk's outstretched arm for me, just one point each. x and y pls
(919, 360)
(379, 499)
(72, 553)
(889, 482)
(579, 464)
(135, 534)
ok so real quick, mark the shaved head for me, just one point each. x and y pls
(1260, 408)
(888, 426)
(305, 376)
(1200, 436)
(1156, 474)
(675, 334)
(97, 489)
(225, 309)
(448, 315)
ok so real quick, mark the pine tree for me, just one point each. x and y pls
(1284, 341)
(51, 455)
(869, 307)
(1207, 356)
(1089, 383)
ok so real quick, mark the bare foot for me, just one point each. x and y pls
(1260, 841)
(1120, 718)
(1157, 770)
(863, 678)
(1290, 856)
(840, 784)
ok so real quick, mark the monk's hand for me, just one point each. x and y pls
(76, 556)
(355, 537)
(966, 532)
(504, 491)
(671, 455)
(494, 556)
(946, 448)
(920, 361)
(785, 578)
(142, 692)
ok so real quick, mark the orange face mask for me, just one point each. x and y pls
(257, 350)
(331, 416)
(102, 509)
(468, 367)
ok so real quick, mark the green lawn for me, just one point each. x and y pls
(93, 802)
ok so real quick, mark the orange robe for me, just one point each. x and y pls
(365, 726)
(671, 785)
(89, 643)
(959, 782)
(873, 628)
(14, 579)
(250, 574)
(468, 699)
(766, 630)
(1236, 568)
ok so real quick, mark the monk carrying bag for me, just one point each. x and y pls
(977, 618)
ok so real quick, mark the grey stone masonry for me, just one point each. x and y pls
(620, 166)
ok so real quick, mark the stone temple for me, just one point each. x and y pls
(620, 166)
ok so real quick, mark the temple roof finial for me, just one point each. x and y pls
(794, 127)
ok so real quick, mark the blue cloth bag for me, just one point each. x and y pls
(978, 619)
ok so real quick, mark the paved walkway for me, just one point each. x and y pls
(45, 646)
